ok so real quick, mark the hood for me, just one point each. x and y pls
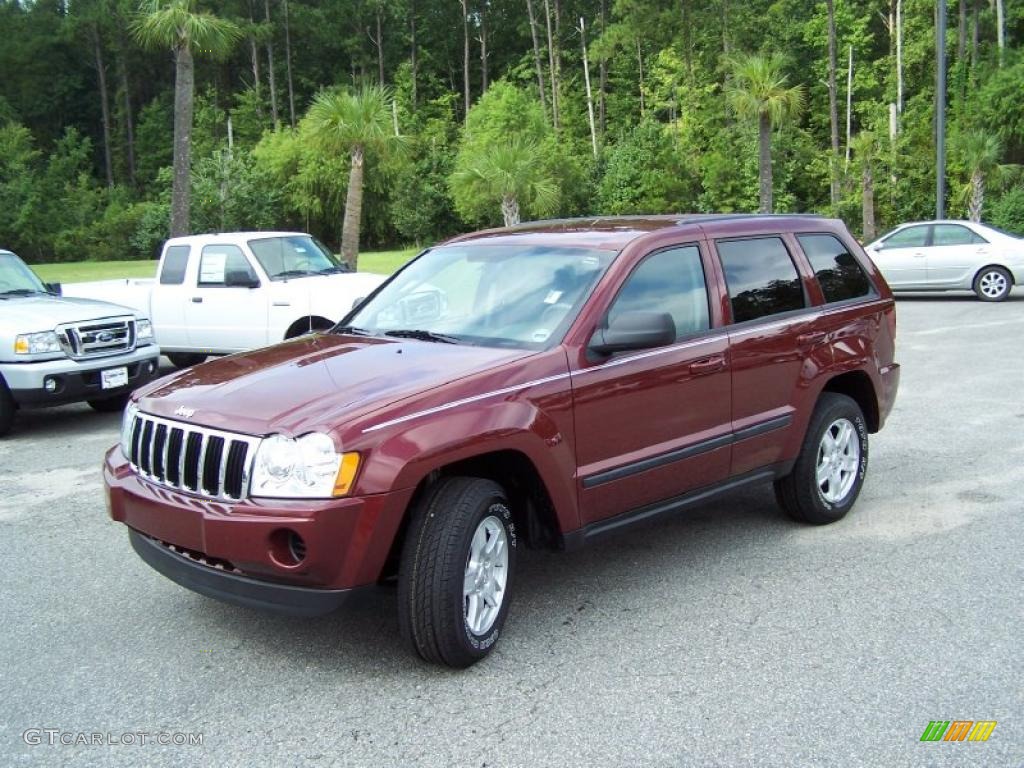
(313, 382)
(43, 312)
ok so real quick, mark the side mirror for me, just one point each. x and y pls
(357, 302)
(634, 330)
(240, 278)
(54, 288)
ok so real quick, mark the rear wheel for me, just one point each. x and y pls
(457, 571)
(109, 404)
(185, 359)
(993, 284)
(7, 409)
(830, 469)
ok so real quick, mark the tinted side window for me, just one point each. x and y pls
(219, 260)
(668, 281)
(175, 262)
(911, 237)
(761, 277)
(838, 272)
(954, 234)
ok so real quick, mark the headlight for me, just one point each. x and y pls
(127, 422)
(36, 343)
(143, 330)
(309, 467)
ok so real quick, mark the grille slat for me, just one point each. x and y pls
(98, 338)
(194, 459)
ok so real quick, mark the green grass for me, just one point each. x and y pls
(84, 271)
(382, 262)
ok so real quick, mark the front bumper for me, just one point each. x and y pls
(233, 551)
(77, 381)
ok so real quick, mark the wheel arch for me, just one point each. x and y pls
(858, 386)
(991, 265)
(306, 324)
(533, 510)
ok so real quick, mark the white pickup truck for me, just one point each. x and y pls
(229, 292)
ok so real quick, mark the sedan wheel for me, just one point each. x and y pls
(993, 284)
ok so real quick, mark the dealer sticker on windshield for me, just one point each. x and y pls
(114, 377)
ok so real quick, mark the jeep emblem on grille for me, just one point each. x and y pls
(185, 413)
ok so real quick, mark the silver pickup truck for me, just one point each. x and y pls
(56, 350)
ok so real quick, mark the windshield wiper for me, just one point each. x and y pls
(21, 292)
(421, 335)
(352, 330)
(294, 273)
(332, 270)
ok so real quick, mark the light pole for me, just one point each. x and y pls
(940, 110)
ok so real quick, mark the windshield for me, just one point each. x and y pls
(294, 256)
(17, 279)
(494, 295)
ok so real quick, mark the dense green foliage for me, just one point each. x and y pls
(87, 116)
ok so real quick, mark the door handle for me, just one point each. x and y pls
(708, 365)
(197, 299)
(811, 339)
(920, 255)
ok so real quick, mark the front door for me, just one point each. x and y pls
(223, 318)
(654, 424)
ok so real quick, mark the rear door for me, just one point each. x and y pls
(774, 346)
(903, 257)
(224, 318)
(954, 255)
(654, 424)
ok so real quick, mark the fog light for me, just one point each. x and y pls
(50, 384)
(151, 367)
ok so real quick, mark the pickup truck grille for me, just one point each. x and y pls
(96, 338)
(199, 460)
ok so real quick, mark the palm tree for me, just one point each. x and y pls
(341, 121)
(979, 152)
(759, 91)
(510, 174)
(865, 147)
(179, 26)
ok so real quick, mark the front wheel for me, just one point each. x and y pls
(185, 359)
(830, 469)
(457, 571)
(993, 284)
(7, 409)
(109, 404)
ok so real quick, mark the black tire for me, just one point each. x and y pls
(431, 603)
(799, 492)
(109, 404)
(989, 275)
(7, 409)
(185, 359)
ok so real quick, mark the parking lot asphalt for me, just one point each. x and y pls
(726, 636)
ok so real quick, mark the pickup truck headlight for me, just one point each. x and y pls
(36, 343)
(127, 422)
(308, 468)
(143, 331)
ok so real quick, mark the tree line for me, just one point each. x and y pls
(375, 123)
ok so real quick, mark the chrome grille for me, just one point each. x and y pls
(96, 338)
(199, 460)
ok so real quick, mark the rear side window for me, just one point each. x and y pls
(220, 260)
(668, 281)
(911, 237)
(954, 234)
(839, 273)
(175, 262)
(761, 277)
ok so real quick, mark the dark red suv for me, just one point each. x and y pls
(541, 385)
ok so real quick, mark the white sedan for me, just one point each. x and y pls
(950, 256)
